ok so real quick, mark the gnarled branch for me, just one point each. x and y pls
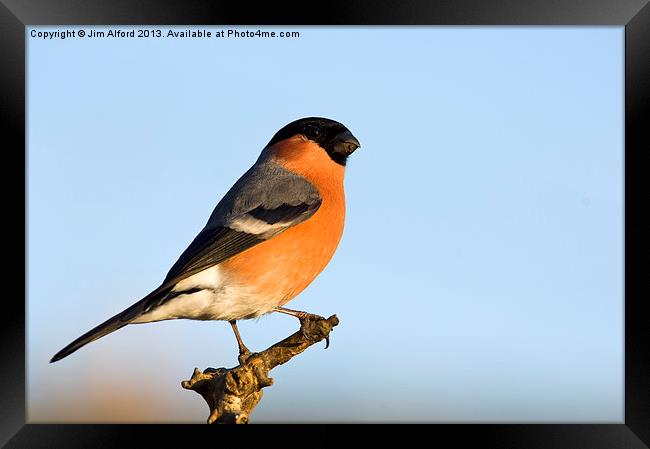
(233, 393)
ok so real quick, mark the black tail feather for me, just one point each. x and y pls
(108, 326)
(112, 324)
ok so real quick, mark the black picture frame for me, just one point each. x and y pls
(634, 15)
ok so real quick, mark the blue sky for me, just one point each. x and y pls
(480, 275)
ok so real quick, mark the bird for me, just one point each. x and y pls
(266, 240)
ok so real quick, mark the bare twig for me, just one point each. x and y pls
(233, 393)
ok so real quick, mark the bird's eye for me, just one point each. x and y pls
(312, 131)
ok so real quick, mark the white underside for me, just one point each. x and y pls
(219, 299)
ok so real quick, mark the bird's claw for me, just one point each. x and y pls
(244, 356)
(306, 321)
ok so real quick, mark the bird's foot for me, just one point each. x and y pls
(309, 328)
(308, 325)
(244, 355)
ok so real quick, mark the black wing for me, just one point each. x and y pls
(210, 247)
(214, 245)
(264, 202)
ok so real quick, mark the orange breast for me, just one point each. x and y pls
(286, 264)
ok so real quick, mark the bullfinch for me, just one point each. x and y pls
(268, 238)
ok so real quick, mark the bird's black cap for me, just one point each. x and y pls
(331, 135)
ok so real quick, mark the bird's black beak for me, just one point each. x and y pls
(345, 143)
